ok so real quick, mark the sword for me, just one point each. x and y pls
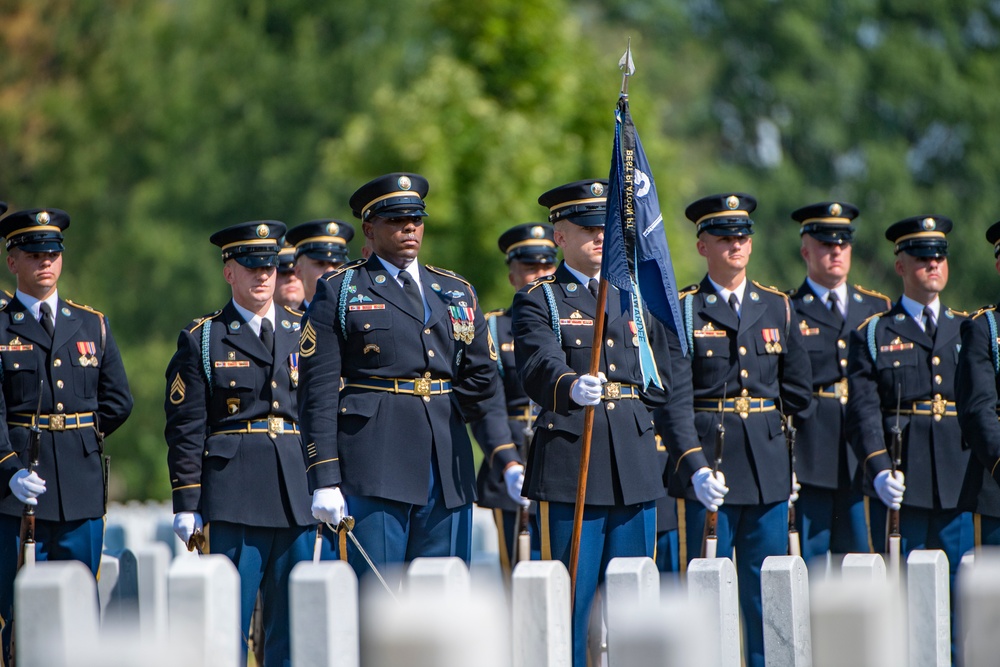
(347, 525)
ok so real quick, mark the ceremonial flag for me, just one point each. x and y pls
(636, 257)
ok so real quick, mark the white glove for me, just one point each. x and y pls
(890, 489)
(27, 486)
(711, 491)
(796, 487)
(329, 505)
(586, 389)
(513, 477)
(187, 524)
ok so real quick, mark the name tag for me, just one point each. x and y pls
(368, 306)
(232, 364)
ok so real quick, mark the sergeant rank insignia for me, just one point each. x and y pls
(87, 350)
(462, 325)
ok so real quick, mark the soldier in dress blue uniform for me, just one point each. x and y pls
(320, 247)
(748, 364)
(410, 346)
(977, 381)
(531, 253)
(70, 359)
(235, 457)
(288, 289)
(830, 511)
(907, 357)
(553, 325)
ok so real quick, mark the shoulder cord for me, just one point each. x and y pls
(206, 340)
(870, 331)
(553, 312)
(689, 321)
(342, 304)
(993, 341)
(491, 322)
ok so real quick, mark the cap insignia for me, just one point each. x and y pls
(332, 228)
(42, 218)
(597, 189)
(262, 231)
(537, 232)
(732, 202)
(835, 209)
(404, 183)
(928, 224)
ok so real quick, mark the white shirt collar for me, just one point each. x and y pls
(724, 293)
(915, 309)
(824, 293)
(582, 278)
(253, 320)
(33, 304)
(413, 270)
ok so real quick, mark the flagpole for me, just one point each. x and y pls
(628, 69)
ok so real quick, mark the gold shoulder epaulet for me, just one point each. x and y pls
(960, 313)
(293, 311)
(446, 272)
(770, 288)
(86, 308)
(689, 290)
(495, 313)
(870, 318)
(201, 320)
(551, 278)
(871, 292)
(984, 309)
(343, 267)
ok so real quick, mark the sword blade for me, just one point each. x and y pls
(368, 560)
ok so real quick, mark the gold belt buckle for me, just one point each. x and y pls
(275, 426)
(422, 387)
(840, 390)
(57, 422)
(938, 407)
(612, 390)
(742, 406)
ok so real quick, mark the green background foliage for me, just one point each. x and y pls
(157, 122)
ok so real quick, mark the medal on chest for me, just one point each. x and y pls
(88, 352)
(293, 368)
(462, 323)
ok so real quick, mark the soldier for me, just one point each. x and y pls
(553, 325)
(903, 363)
(235, 458)
(63, 356)
(977, 380)
(411, 348)
(748, 363)
(288, 288)
(830, 511)
(320, 247)
(531, 254)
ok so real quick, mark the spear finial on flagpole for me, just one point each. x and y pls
(627, 67)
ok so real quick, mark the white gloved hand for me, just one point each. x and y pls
(513, 477)
(711, 491)
(27, 486)
(328, 505)
(187, 524)
(890, 488)
(796, 487)
(586, 389)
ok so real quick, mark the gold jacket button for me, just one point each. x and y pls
(612, 367)
(232, 383)
(843, 362)
(59, 407)
(611, 343)
(57, 363)
(743, 350)
(274, 385)
(611, 406)
(59, 384)
(275, 405)
(430, 353)
(427, 332)
(744, 373)
(936, 361)
(842, 344)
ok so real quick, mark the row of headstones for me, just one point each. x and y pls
(189, 611)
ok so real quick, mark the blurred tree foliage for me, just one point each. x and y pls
(156, 122)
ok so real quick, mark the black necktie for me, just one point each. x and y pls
(267, 335)
(413, 294)
(734, 303)
(834, 301)
(46, 319)
(593, 286)
(929, 327)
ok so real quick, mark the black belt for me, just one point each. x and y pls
(742, 405)
(58, 422)
(273, 426)
(418, 387)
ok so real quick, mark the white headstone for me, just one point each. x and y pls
(929, 602)
(152, 562)
(673, 631)
(118, 589)
(630, 585)
(979, 595)
(784, 583)
(857, 623)
(324, 617)
(712, 581)
(437, 576)
(204, 610)
(57, 613)
(863, 567)
(542, 618)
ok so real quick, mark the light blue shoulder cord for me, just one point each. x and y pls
(689, 321)
(993, 342)
(870, 330)
(342, 305)
(206, 340)
(553, 312)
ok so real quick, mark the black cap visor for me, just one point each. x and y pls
(727, 227)
(257, 260)
(924, 248)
